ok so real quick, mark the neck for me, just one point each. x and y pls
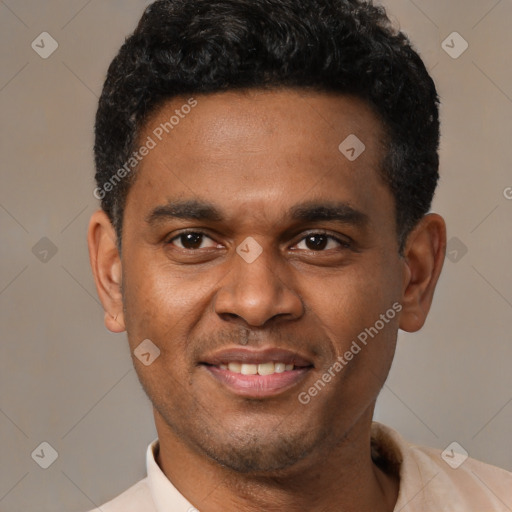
(340, 477)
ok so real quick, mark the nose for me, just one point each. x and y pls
(258, 291)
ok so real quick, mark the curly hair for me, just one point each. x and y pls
(185, 47)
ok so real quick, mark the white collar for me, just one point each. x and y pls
(165, 496)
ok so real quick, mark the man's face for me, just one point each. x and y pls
(268, 163)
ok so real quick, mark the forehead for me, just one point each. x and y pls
(284, 117)
(263, 150)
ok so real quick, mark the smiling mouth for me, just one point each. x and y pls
(261, 380)
(267, 368)
(259, 373)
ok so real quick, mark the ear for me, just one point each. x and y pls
(423, 259)
(106, 268)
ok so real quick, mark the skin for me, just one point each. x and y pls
(254, 155)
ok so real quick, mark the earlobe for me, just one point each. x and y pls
(107, 270)
(114, 323)
(423, 259)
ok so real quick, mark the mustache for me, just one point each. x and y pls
(244, 337)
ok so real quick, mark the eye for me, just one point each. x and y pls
(192, 240)
(319, 242)
(322, 242)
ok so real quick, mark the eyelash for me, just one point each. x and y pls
(345, 244)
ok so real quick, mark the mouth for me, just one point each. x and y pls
(257, 374)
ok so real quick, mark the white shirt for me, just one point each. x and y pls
(427, 482)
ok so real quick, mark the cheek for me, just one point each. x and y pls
(149, 301)
(155, 310)
(356, 299)
(359, 318)
(359, 314)
(163, 303)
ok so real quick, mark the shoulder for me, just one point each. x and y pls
(435, 481)
(135, 499)
(461, 483)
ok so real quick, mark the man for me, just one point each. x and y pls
(265, 170)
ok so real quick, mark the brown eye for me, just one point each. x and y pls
(192, 241)
(316, 242)
(321, 241)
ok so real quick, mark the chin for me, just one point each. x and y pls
(257, 450)
(257, 458)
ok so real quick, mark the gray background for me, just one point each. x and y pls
(67, 381)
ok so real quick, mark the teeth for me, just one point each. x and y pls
(249, 369)
(266, 369)
(279, 367)
(235, 367)
(257, 369)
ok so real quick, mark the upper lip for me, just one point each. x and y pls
(251, 356)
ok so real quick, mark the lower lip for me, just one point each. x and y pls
(258, 386)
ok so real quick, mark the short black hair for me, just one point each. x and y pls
(186, 47)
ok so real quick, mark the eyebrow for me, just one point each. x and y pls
(312, 211)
